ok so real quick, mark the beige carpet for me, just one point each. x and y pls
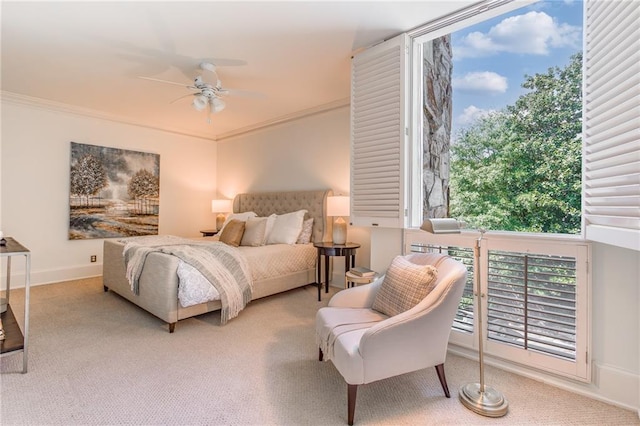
(95, 358)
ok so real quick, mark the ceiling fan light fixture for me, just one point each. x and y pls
(199, 102)
(218, 104)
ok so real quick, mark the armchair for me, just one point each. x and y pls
(366, 345)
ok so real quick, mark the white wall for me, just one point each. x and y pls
(616, 323)
(35, 184)
(304, 154)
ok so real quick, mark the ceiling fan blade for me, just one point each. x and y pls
(243, 93)
(182, 97)
(188, 86)
(223, 62)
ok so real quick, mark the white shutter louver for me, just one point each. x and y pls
(611, 195)
(378, 122)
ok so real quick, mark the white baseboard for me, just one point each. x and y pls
(618, 386)
(610, 384)
(52, 275)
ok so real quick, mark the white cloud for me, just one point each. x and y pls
(481, 81)
(471, 114)
(532, 33)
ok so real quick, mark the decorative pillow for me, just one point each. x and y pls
(286, 228)
(305, 234)
(237, 216)
(404, 286)
(232, 233)
(255, 232)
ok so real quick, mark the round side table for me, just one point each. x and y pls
(351, 279)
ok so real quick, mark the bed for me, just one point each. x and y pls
(158, 283)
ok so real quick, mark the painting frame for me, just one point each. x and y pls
(113, 192)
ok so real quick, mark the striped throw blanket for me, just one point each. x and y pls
(223, 266)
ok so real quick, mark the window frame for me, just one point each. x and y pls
(580, 369)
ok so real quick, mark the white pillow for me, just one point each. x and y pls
(237, 216)
(255, 232)
(286, 228)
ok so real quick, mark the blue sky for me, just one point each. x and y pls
(490, 59)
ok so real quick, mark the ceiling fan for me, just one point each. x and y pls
(207, 95)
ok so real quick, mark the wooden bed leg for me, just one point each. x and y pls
(105, 288)
(172, 327)
(320, 355)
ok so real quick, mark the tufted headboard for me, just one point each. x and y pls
(267, 203)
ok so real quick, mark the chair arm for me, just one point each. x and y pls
(409, 341)
(357, 297)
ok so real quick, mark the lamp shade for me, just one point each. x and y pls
(199, 102)
(221, 206)
(442, 226)
(218, 104)
(338, 205)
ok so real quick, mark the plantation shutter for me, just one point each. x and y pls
(611, 176)
(378, 134)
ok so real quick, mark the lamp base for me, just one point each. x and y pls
(489, 403)
(339, 231)
(220, 218)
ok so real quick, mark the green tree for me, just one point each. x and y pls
(519, 169)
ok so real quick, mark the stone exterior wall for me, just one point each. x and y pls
(437, 97)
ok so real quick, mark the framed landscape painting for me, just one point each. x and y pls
(112, 192)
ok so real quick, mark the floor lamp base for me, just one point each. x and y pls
(489, 403)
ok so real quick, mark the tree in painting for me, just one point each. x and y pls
(143, 186)
(88, 177)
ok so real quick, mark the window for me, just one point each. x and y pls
(499, 121)
(538, 286)
(536, 309)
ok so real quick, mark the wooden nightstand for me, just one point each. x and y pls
(209, 232)
(326, 250)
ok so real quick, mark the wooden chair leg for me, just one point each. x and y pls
(443, 379)
(320, 355)
(351, 402)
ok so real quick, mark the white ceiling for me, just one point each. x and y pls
(90, 54)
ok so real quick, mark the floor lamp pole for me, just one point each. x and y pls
(477, 397)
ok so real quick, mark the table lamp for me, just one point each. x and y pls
(338, 206)
(221, 207)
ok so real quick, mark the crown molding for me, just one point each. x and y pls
(53, 106)
(340, 103)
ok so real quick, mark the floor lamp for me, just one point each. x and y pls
(477, 397)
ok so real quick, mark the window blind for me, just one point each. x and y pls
(611, 117)
(378, 123)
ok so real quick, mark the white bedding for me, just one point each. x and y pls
(265, 262)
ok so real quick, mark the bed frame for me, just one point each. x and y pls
(158, 282)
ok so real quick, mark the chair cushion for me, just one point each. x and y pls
(331, 323)
(404, 286)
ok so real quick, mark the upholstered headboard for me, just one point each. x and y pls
(267, 203)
